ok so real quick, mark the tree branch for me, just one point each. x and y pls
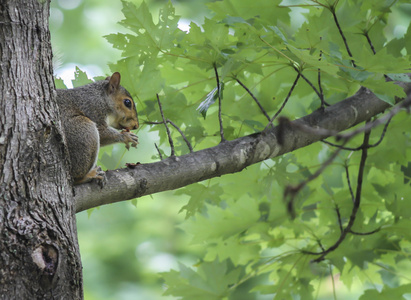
(229, 157)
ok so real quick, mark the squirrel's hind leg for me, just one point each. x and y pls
(83, 142)
(94, 174)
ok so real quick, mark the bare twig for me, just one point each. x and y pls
(343, 148)
(219, 103)
(404, 104)
(356, 205)
(178, 129)
(284, 103)
(347, 175)
(158, 150)
(170, 140)
(333, 12)
(321, 92)
(367, 36)
(320, 87)
(292, 191)
(182, 134)
(320, 245)
(255, 99)
(365, 233)
(362, 146)
(310, 84)
(369, 42)
(337, 210)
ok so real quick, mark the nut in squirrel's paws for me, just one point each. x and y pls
(129, 138)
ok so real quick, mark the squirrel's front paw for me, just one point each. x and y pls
(129, 138)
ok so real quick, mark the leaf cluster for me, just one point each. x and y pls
(312, 53)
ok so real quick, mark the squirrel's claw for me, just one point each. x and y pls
(95, 174)
(130, 138)
(100, 177)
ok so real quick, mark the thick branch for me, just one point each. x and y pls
(229, 157)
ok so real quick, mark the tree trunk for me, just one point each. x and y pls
(39, 255)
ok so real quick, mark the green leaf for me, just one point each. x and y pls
(239, 251)
(400, 77)
(313, 61)
(80, 78)
(219, 222)
(209, 100)
(400, 228)
(199, 195)
(386, 91)
(381, 62)
(259, 9)
(387, 293)
(59, 83)
(212, 281)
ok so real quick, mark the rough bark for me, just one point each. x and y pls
(228, 157)
(39, 255)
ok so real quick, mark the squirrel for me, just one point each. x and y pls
(90, 115)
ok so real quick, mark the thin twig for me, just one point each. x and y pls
(337, 210)
(356, 205)
(369, 42)
(343, 148)
(182, 134)
(347, 175)
(362, 146)
(158, 150)
(176, 127)
(365, 233)
(219, 104)
(255, 99)
(333, 12)
(367, 36)
(284, 102)
(404, 104)
(320, 245)
(170, 140)
(310, 84)
(323, 103)
(292, 191)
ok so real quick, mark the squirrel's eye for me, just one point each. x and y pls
(127, 103)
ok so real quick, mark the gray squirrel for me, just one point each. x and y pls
(91, 117)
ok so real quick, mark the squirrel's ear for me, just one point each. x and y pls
(114, 82)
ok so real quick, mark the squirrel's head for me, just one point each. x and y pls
(124, 115)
